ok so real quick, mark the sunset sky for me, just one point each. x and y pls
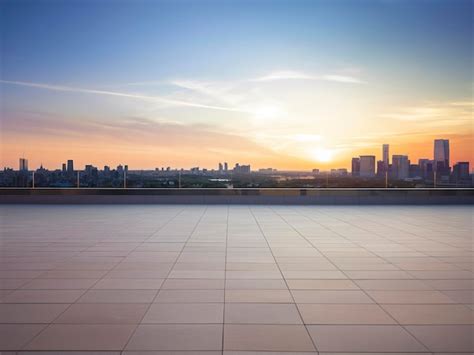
(283, 84)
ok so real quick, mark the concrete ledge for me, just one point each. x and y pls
(237, 196)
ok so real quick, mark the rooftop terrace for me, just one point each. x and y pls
(237, 279)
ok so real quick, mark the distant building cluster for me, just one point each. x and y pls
(365, 171)
(401, 168)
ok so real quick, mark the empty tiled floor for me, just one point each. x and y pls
(237, 280)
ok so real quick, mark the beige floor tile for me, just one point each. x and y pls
(256, 296)
(103, 313)
(255, 284)
(364, 338)
(431, 314)
(193, 284)
(15, 336)
(42, 296)
(128, 284)
(317, 275)
(191, 337)
(344, 314)
(90, 337)
(30, 313)
(59, 284)
(445, 338)
(261, 313)
(395, 285)
(330, 296)
(250, 337)
(409, 297)
(322, 285)
(185, 313)
(190, 296)
(118, 296)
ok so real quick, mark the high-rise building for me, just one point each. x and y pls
(425, 166)
(367, 165)
(23, 164)
(382, 169)
(441, 153)
(221, 167)
(64, 167)
(241, 169)
(226, 166)
(385, 152)
(70, 166)
(355, 167)
(461, 171)
(400, 167)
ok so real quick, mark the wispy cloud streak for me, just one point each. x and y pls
(157, 99)
(295, 75)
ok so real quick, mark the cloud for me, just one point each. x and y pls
(296, 75)
(435, 114)
(156, 99)
(342, 79)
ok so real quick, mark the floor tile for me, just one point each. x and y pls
(15, 336)
(190, 296)
(431, 314)
(251, 337)
(344, 314)
(254, 296)
(364, 338)
(330, 296)
(185, 313)
(30, 313)
(103, 313)
(445, 338)
(82, 337)
(261, 313)
(191, 337)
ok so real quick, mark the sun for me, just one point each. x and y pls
(322, 155)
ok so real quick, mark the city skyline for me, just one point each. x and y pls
(371, 166)
(289, 85)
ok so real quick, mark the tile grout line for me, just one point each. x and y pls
(169, 272)
(283, 277)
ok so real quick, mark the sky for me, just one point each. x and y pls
(290, 84)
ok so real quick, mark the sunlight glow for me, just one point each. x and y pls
(322, 155)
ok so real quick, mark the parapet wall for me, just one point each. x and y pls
(237, 196)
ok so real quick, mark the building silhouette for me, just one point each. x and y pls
(23, 164)
(441, 153)
(385, 155)
(355, 166)
(400, 167)
(70, 166)
(367, 165)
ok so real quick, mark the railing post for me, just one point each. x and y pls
(78, 180)
(124, 179)
(33, 180)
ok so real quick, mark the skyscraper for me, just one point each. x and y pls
(441, 152)
(355, 167)
(220, 167)
(23, 164)
(367, 165)
(400, 167)
(226, 166)
(461, 171)
(70, 166)
(385, 152)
